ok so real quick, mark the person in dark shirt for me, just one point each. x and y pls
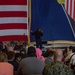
(11, 57)
(38, 33)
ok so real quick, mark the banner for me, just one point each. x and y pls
(70, 8)
(51, 18)
(13, 20)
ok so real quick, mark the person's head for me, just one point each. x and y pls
(10, 48)
(58, 54)
(11, 55)
(1, 46)
(38, 29)
(51, 54)
(3, 57)
(46, 54)
(49, 49)
(23, 51)
(69, 49)
(31, 51)
(21, 47)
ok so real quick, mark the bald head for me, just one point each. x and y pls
(58, 54)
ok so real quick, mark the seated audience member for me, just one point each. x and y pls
(23, 54)
(10, 48)
(39, 54)
(50, 57)
(16, 46)
(69, 55)
(57, 67)
(1, 46)
(47, 52)
(31, 65)
(70, 58)
(11, 57)
(18, 58)
(64, 55)
(5, 67)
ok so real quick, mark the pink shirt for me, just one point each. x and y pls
(6, 68)
(39, 54)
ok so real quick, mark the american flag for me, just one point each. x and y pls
(70, 8)
(13, 20)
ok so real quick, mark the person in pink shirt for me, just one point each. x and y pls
(39, 54)
(5, 67)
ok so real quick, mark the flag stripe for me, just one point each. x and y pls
(14, 37)
(74, 10)
(13, 14)
(66, 5)
(13, 32)
(13, 2)
(13, 26)
(13, 20)
(70, 8)
(13, 8)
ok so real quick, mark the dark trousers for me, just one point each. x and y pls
(39, 43)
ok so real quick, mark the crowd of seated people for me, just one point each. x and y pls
(16, 60)
(57, 67)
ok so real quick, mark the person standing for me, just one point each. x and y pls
(38, 34)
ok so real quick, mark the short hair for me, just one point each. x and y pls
(11, 55)
(51, 53)
(71, 48)
(17, 55)
(31, 51)
(3, 57)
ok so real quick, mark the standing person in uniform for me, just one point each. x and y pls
(38, 33)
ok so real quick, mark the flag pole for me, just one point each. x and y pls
(29, 20)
